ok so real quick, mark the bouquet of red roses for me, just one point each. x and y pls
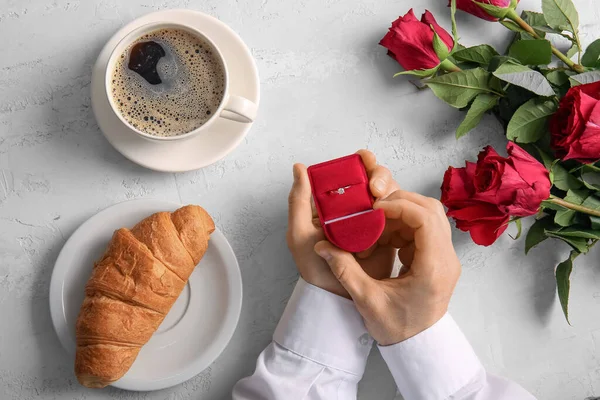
(548, 102)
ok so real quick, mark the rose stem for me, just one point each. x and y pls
(572, 206)
(512, 15)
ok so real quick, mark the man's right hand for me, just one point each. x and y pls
(396, 309)
(304, 229)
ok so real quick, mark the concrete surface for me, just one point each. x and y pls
(327, 90)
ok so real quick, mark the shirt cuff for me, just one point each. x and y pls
(435, 364)
(325, 328)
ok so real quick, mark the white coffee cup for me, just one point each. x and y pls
(232, 107)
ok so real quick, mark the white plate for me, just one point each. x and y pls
(197, 328)
(198, 151)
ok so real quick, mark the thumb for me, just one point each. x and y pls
(345, 268)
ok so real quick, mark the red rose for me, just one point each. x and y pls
(575, 128)
(472, 8)
(410, 41)
(483, 196)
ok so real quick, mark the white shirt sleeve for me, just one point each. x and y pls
(440, 364)
(319, 351)
(320, 348)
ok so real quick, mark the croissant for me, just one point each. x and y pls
(132, 288)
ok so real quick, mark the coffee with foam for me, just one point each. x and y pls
(168, 82)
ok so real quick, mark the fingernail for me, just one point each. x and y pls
(326, 255)
(380, 185)
(295, 171)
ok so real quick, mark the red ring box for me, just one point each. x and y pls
(340, 190)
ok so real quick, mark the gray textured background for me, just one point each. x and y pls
(326, 91)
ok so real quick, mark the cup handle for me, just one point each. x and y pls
(239, 109)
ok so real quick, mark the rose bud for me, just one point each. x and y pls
(489, 10)
(410, 41)
(575, 127)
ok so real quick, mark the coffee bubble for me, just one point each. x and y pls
(188, 92)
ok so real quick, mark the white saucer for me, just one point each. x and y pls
(196, 330)
(198, 151)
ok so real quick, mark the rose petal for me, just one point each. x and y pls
(473, 9)
(476, 211)
(410, 41)
(487, 233)
(530, 169)
(574, 127)
(488, 171)
(591, 89)
(413, 46)
(456, 186)
(587, 148)
(527, 201)
(388, 42)
(408, 17)
(429, 19)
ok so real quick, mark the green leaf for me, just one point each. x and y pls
(421, 73)
(572, 50)
(579, 244)
(535, 19)
(526, 36)
(546, 29)
(537, 232)
(586, 77)
(545, 157)
(595, 221)
(481, 54)
(519, 225)
(453, 19)
(528, 124)
(524, 77)
(514, 98)
(592, 202)
(482, 103)
(440, 48)
(459, 88)
(566, 216)
(537, 22)
(579, 232)
(563, 282)
(563, 179)
(494, 11)
(591, 57)
(496, 84)
(577, 196)
(458, 46)
(557, 77)
(590, 185)
(561, 14)
(497, 61)
(531, 52)
(540, 25)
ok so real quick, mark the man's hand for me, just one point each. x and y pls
(304, 229)
(396, 309)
